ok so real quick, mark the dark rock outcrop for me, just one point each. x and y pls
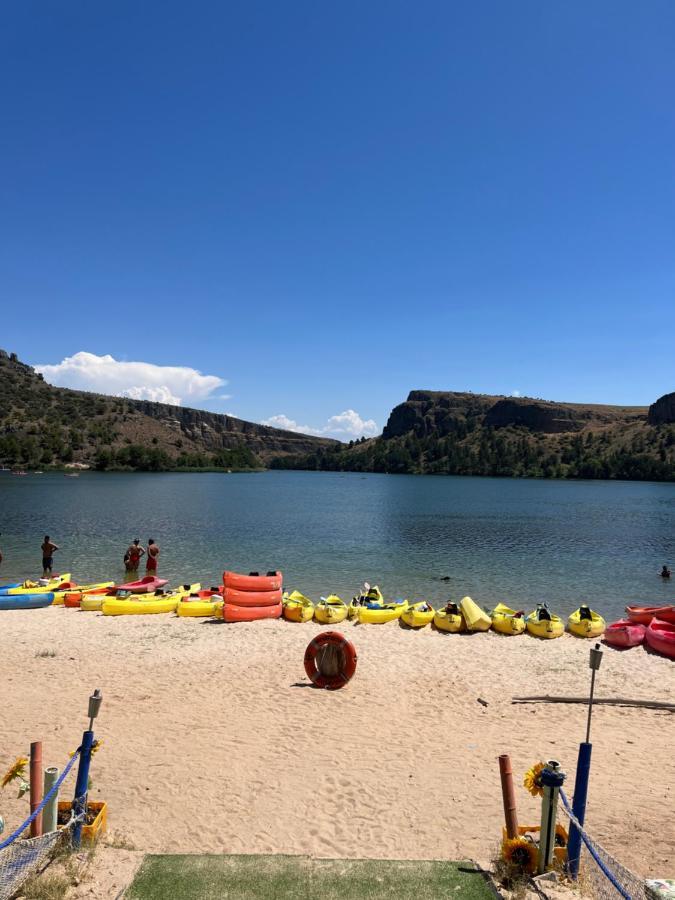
(435, 412)
(547, 418)
(663, 411)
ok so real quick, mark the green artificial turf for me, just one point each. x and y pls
(191, 877)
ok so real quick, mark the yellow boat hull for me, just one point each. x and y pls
(418, 615)
(476, 619)
(544, 628)
(588, 628)
(388, 613)
(330, 615)
(297, 607)
(146, 604)
(34, 587)
(451, 622)
(199, 608)
(505, 620)
(60, 596)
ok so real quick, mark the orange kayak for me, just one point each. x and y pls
(251, 598)
(643, 615)
(250, 613)
(253, 581)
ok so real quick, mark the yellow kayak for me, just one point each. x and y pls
(544, 624)
(330, 610)
(43, 586)
(378, 615)
(59, 596)
(368, 595)
(200, 604)
(297, 607)
(147, 604)
(507, 621)
(585, 622)
(476, 619)
(418, 614)
(449, 618)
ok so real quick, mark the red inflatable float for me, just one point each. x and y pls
(253, 581)
(251, 598)
(345, 652)
(250, 613)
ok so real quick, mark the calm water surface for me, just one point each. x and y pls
(520, 541)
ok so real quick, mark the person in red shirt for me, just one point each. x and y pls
(152, 557)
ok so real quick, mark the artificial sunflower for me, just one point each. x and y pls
(18, 770)
(520, 853)
(532, 779)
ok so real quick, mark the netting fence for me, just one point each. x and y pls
(601, 874)
(20, 858)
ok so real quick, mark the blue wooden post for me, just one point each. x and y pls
(81, 785)
(579, 807)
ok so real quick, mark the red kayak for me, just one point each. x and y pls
(624, 633)
(251, 598)
(643, 615)
(251, 613)
(253, 581)
(660, 636)
(147, 585)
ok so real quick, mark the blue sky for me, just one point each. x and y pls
(327, 205)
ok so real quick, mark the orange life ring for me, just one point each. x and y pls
(334, 682)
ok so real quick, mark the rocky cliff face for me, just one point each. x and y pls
(547, 418)
(663, 411)
(39, 414)
(439, 412)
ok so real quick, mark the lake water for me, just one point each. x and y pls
(516, 540)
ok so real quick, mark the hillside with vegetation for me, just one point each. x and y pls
(43, 426)
(450, 433)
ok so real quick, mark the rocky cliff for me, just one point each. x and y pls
(663, 411)
(439, 432)
(42, 425)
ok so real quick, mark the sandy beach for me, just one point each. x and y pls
(214, 741)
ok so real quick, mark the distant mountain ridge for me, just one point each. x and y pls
(460, 433)
(43, 425)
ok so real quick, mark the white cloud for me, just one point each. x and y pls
(347, 424)
(515, 393)
(138, 380)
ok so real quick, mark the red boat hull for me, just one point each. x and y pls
(624, 633)
(239, 582)
(147, 585)
(660, 636)
(643, 615)
(251, 598)
(251, 613)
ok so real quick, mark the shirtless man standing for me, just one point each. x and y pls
(133, 556)
(153, 557)
(48, 550)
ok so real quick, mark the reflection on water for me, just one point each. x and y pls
(516, 540)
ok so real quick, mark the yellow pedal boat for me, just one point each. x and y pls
(297, 607)
(200, 604)
(507, 621)
(419, 614)
(585, 622)
(379, 614)
(450, 618)
(43, 586)
(544, 624)
(147, 604)
(330, 610)
(476, 618)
